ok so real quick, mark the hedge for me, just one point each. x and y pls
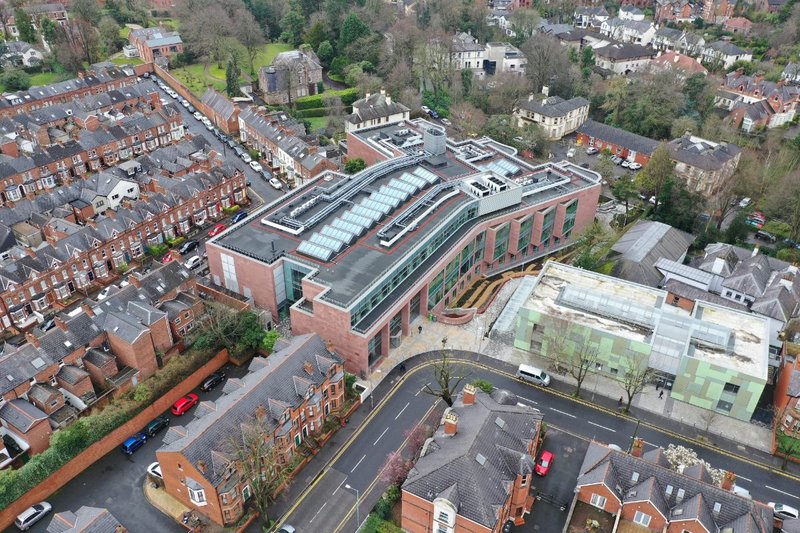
(308, 113)
(348, 96)
(68, 442)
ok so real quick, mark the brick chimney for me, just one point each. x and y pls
(308, 367)
(638, 447)
(9, 147)
(728, 479)
(135, 281)
(87, 309)
(450, 423)
(201, 466)
(60, 324)
(468, 398)
(329, 346)
(32, 339)
(261, 412)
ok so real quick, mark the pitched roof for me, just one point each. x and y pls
(21, 414)
(622, 51)
(221, 105)
(373, 107)
(475, 465)
(725, 48)
(554, 106)
(675, 60)
(645, 243)
(618, 136)
(701, 153)
(85, 520)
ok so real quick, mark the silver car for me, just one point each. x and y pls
(31, 515)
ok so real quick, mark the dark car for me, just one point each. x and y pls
(241, 215)
(231, 143)
(434, 114)
(238, 150)
(48, 325)
(265, 174)
(156, 425)
(212, 381)
(133, 443)
(188, 246)
(191, 109)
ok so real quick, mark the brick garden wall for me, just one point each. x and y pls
(91, 454)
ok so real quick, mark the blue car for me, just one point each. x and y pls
(133, 443)
(241, 215)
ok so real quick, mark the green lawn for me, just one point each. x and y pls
(122, 60)
(267, 54)
(45, 78)
(317, 123)
(173, 24)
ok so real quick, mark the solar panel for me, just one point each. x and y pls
(359, 220)
(328, 242)
(315, 251)
(339, 234)
(349, 227)
(426, 174)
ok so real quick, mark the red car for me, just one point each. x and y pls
(167, 257)
(544, 463)
(216, 230)
(185, 403)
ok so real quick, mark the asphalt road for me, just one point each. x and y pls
(115, 480)
(329, 506)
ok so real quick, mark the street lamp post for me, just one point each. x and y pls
(358, 501)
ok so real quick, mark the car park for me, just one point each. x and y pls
(591, 150)
(188, 246)
(193, 262)
(544, 463)
(156, 425)
(133, 443)
(155, 470)
(198, 115)
(246, 157)
(239, 216)
(256, 166)
(212, 381)
(184, 404)
(31, 515)
(784, 512)
(217, 229)
(276, 183)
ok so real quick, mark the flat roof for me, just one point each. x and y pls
(351, 230)
(716, 334)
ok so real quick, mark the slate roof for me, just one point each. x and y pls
(725, 48)
(221, 105)
(21, 414)
(179, 304)
(554, 106)
(464, 42)
(702, 154)
(373, 107)
(645, 243)
(42, 393)
(270, 384)
(474, 467)
(618, 136)
(85, 520)
(623, 51)
(691, 292)
(635, 478)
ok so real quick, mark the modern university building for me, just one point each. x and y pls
(357, 259)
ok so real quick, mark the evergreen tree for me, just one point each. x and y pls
(232, 73)
(25, 27)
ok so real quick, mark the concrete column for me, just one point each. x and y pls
(405, 321)
(423, 301)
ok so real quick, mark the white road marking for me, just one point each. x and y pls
(318, 511)
(379, 438)
(650, 443)
(339, 487)
(401, 410)
(562, 412)
(744, 478)
(602, 427)
(779, 490)
(422, 389)
(528, 400)
(358, 463)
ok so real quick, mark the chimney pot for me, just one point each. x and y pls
(638, 447)
(87, 309)
(468, 398)
(728, 480)
(135, 281)
(308, 367)
(32, 339)
(450, 423)
(60, 324)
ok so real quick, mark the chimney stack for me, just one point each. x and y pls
(728, 480)
(638, 447)
(87, 309)
(201, 466)
(135, 281)
(308, 367)
(60, 324)
(450, 424)
(468, 398)
(329, 346)
(32, 339)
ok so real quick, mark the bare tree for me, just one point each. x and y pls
(637, 374)
(253, 454)
(571, 349)
(250, 35)
(467, 117)
(333, 103)
(447, 383)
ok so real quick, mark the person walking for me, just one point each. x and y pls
(661, 395)
(419, 329)
(619, 402)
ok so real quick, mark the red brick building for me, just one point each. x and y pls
(156, 43)
(221, 112)
(342, 257)
(55, 12)
(287, 397)
(485, 444)
(619, 142)
(644, 490)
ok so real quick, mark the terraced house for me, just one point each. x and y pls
(359, 258)
(286, 396)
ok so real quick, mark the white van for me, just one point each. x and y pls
(533, 374)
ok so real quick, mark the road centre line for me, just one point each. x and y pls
(422, 389)
(318, 511)
(379, 438)
(358, 463)
(528, 400)
(744, 478)
(401, 410)
(562, 412)
(339, 487)
(602, 427)
(782, 492)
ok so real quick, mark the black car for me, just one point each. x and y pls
(188, 246)
(48, 325)
(238, 150)
(231, 143)
(191, 109)
(212, 381)
(266, 174)
(156, 425)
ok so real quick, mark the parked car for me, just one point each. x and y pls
(446, 122)
(209, 126)
(104, 293)
(276, 183)
(156, 425)
(434, 114)
(193, 262)
(198, 115)
(31, 515)
(266, 174)
(188, 246)
(238, 150)
(246, 157)
(426, 109)
(168, 257)
(256, 166)
(212, 381)
(133, 443)
(184, 404)
(286, 528)
(652, 200)
(634, 165)
(571, 153)
(625, 163)
(544, 463)
(591, 150)
(765, 236)
(191, 109)
(185, 103)
(745, 202)
(48, 324)
(239, 216)
(230, 142)
(155, 470)
(784, 512)
(217, 229)
(616, 159)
